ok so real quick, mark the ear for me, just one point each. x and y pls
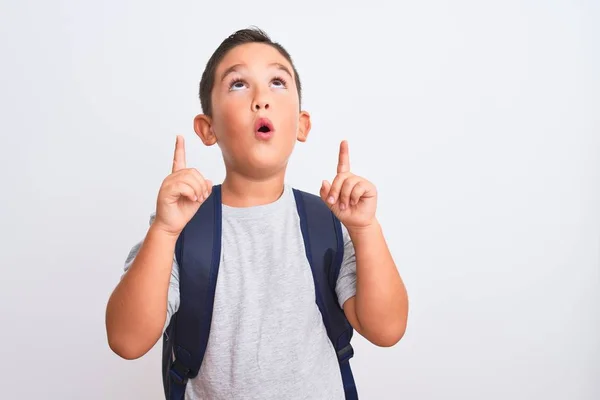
(204, 130)
(304, 126)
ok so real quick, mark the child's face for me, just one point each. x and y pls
(254, 81)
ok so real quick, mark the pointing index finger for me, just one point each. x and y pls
(179, 157)
(344, 158)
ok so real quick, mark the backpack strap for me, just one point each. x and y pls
(198, 253)
(324, 244)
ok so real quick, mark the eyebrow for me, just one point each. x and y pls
(236, 67)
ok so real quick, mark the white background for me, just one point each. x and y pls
(478, 122)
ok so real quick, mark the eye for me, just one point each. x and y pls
(237, 84)
(279, 83)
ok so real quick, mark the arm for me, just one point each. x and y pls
(137, 309)
(379, 311)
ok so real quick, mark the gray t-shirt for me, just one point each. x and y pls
(267, 339)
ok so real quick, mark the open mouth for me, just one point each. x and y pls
(264, 126)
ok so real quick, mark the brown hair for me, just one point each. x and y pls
(250, 35)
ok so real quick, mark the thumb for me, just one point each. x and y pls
(325, 188)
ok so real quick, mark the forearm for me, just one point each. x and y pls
(137, 308)
(381, 303)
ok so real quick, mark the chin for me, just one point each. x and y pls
(264, 168)
(265, 165)
(269, 157)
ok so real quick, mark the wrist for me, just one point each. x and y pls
(356, 232)
(160, 232)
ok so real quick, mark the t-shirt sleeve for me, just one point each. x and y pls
(173, 294)
(346, 283)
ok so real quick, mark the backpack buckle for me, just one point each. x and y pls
(345, 353)
(179, 372)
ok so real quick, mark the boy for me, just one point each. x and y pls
(267, 338)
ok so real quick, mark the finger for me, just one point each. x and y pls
(325, 187)
(185, 190)
(193, 177)
(206, 186)
(209, 184)
(179, 156)
(336, 186)
(203, 184)
(358, 191)
(195, 180)
(344, 158)
(346, 190)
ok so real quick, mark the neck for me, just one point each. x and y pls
(239, 190)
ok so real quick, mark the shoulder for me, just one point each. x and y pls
(310, 201)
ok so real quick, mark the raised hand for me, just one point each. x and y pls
(181, 194)
(351, 198)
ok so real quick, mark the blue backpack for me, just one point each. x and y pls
(198, 252)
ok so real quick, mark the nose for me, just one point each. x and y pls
(258, 105)
(260, 101)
